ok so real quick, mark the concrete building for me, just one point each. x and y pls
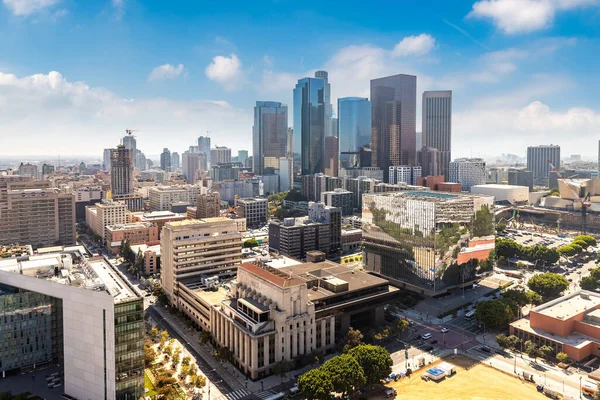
(254, 209)
(430, 181)
(224, 172)
(121, 170)
(286, 174)
(38, 216)
(269, 136)
(449, 187)
(503, 194)
(28, 170)
(47, 170)
(351, 239)
(150, 256)
(537, 160)
(468, 172)
(429, 160)
(319, 212)
(404, 173)
(437, 127)
(192, 165)
(204, 148)
(314, 185)
(229, 190)
(520, 177)
(175, 161)
(270, 183)
(403, 238)
(105, 213)
(86, 196)
(366, 172)
(343, 199)
(77, 314)
(161, 197)
(208, 205)
(220, 155)
(273, 315)
(158, 218)
(165, 160)
(135, 233)
(331, 156)
(192, 248)
(569, 324)
(294, 237)
(394, 121)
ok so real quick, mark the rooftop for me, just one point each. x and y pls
(188, 222)
(575, 339)
(158, 215)
(131, 225)
(568, 306)
(498, 186)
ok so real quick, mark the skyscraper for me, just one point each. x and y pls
(331, 156)
(310, 122)
(327, 100)
(354, 129)
(242, 156)
(165, 160)
(220, 155)
(191, 163)
(106, 160)
(121, 171)
(538, 157)
(130, 143)
(269, 135)
(204, 147)
(394, 115)
(437, 126)
(290, 143)
(175, 161)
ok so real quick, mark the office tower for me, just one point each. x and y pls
(106, 160)
(28, 170)
(208, 205)
(121, 170)
(220, 155)
(520, 177)
(82, 168)
(269, 136)
(286, 174)
(394, 114)
(191, 248)
(175, 164)
(314, 185)
(224, 172)
(192, 164)
(242, 156)
(47, 169)
(366, 157)
(309, 124)
(437, 126)
(161, 197)
(538, 157)
(63, 309)
(419, 141)
(323, 75)
(341, 198)
(319, 212)
(254, 209)
(130, 143)
(331, 156)
(407, 174)
(428, 159)
(294, 237)
(204, 147)
(165, 160)
(468, 172)
(290, 143)
(354, 130)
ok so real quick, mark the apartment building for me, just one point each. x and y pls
(208, 205)
(343, 199)
(105, 213)
(158, 218)
(161, 197)
(319, 212)
(254, 209)
(134, 233)
(294, 237)
(468, 172)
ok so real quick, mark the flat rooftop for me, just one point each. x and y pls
(131, 225)
(575, 339)
(568, 306)
(187, 222)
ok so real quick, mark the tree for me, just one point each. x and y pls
(483, 223)
(149, 356)
(168, 350)
(125, 249)
(154, 333)
(175, 359)
(546, 352)
(353, 338)
(167, 393)
(501, 226)
(531, 349)
(222, 354)
(496, 314)
(590, 240)
(316, 384)
(193, 369)
(548, 285)
(401, 325)
(250, 243)
(184, 371)
(554, 192)
(375, 361)
(516, 295)
(186, 360)
(502, 340)
(562, 357)
(512, 342)
(588, 283)
(533, 298)
(281, 368)
(198, 381)
(205, 337)
(164, 336)
(345, 372)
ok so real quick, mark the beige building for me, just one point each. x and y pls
(104, 213)
(208, 205)
(134, 233)
(161, 197)
(192, 248)
(254, 209)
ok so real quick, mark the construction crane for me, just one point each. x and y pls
(130, 131)
(584, 201)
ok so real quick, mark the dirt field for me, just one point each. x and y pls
(478, 382)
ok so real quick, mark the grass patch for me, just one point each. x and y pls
(148, 385)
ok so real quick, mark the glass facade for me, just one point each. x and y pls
(129, 349)
(415, 237)
(354, 129)
(309, 123)
(31, 331)
(269, 135)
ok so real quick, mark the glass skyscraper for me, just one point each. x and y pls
(269, 136)
(354, 129)
(310, 110)
(437, 127)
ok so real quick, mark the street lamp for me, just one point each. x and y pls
(580, 387)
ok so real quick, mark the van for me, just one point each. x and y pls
(294, 391)
(426, 336)
(589, 389)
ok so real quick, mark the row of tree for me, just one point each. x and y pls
(508, 248)
(578, 245)
(361, 365)
(530, 348)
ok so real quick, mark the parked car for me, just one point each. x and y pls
(433, 341)
(390, 392)
(444, 330)
(485, 348)
(426, 336)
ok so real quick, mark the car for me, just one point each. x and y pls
(485, 349)
(428, 348)
(444, 330)
(426, 336)
(570, 279)
(433, 341)
(390, 392)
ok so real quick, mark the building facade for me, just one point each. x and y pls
(314, 185)
(220, 155)
(134, 233)
(354, 129)
(331, 154)
(538, 157)
(121, 170)
(104, 213)
(269, 136)
(161, 197)
(319, 212)
(468, 172)
(437, 127)
(294, 237)
(520, 177)
(204, 147)
(208, 205)
(254, 209)
(404, 174)
(165, 160)
(343, 199)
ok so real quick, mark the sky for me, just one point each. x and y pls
(74, 74)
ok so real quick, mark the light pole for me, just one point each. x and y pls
(580, 387)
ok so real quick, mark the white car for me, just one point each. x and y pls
(426, 336)
(444, 330)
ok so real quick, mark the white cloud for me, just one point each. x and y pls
(227, 71)
(222, 40)
(538, 117)
(45, 113)
(268, 60)
(166, 71)
(24, 8)
(522, 16)
(277, 82)
(414, 46)
(496, 65)
(119, 7)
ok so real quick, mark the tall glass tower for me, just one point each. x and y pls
(354, 129)
(269, 136)
(310, 110)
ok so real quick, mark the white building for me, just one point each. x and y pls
(104, 213)
(404, 173)
(503, 193)
(286, 174)
(468, 172)
(228, 190)
(161, 197)
(270, 183)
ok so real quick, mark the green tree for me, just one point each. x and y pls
(316, 384)
(501, 226)
(496, 314)
(186, 360)
(562, 357)
(516, 295)
(554, 192)
(375, 361)
(168, 350)
(588, 283)
(548, 285)
(184, 372)
(512, 342)
(401, 325)
(281, 368)
(154, 333)
(198, 381)
(531, 349)
(353, 338)
(164, 336)
(205, 337)
(149, 356)
(590, 240)
(250, 243)
(502, 340)
(483, 223)
(345, 372)
(533, 298)
(175, 359)
(546, 352)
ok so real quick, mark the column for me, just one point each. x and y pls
(267, 340)
(323, 331)
(247, 351)
(254, 355)
(332, 330)
(294, 343)
(301, 342)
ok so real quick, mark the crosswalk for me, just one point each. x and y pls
(242, 393)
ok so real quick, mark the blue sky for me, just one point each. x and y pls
(75, 74)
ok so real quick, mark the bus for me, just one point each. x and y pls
(513, 274)
(470, 315)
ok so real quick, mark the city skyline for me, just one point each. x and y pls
(509, 77)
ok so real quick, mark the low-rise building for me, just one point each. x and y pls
(351, 239)
(254, 209)
(134, 233)
(151, 255)
(504, 194)
(104, 213)
(158, 218)
(161, 197)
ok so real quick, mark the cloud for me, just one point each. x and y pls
(45, 113)
(537, 117)
(166, 71)
(227, 71)
(24, 8)
(277, 82)
(496, 65)
(222, 40)
(414, 46)
(523, 16)
(268, 60)
(119, 7)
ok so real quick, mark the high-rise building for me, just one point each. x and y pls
(165, 160)
(314, 185)
(538, 157)
(254, 209)
(175, 164)
(269, 136)
(310, 110)
(192, 164)
(419, 141)
(161, 197)
(341, 198)
(220, 155)
(428, 159)
(286, 174)
(437, 126)
(319, 212)
(467, 172)
(106, 160)
(294, 237)
(208, 205)
(129, 142)
(27, 169)
(354, 129)
(290, 143)
(121, 170)
(520, 177)
(191, 248)
(140, 160)
(47, 170)
(407, 174)
(224, 172)
(242, 156)
(324, 75)
(204, 147)
(394, 118)
(331, 154)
